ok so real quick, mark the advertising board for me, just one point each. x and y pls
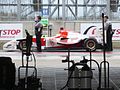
(11, 31)
(115, 27)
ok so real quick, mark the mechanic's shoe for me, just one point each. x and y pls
(39, 49)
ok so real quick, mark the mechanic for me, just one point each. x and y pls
(109, 33)
(38, 32)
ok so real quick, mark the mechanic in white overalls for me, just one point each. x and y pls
(108, 33)
(38, 32)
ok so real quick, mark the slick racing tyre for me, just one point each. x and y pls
(90, 44)
(22, 45)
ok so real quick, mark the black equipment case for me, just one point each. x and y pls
(7, 73)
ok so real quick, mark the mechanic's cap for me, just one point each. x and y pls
(106, 16)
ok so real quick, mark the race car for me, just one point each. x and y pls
(91, 39)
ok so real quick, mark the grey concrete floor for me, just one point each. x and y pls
(51, 69)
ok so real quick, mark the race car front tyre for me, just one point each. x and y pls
(90, 44)
(22, 45)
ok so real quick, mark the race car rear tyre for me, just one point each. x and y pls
(22, 45)
(90, 44)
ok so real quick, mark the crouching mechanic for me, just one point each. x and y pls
(38, 32)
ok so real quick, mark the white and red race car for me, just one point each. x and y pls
(91, 39)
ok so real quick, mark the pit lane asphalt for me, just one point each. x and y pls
(54, 59)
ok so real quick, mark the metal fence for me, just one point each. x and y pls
(58, 9)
